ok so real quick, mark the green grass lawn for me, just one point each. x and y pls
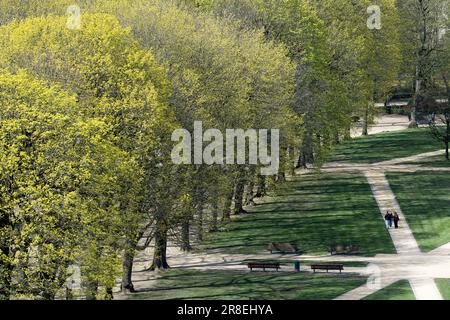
(387, 146)
(313, 211)
(237, 285)
(400, 290)
(436, 161)
(425, 200)
(444, 287)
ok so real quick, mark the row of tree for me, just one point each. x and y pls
(86, 178)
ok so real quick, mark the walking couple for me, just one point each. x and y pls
(392, 217)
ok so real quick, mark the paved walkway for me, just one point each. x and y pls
(420, 269)
(403, 238)
(411, 264)
(384, 123)
(413, 158)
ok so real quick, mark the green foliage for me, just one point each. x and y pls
(87, 117)
(226, 77)
(121, 87)
(57, 185)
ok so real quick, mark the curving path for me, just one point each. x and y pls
(410, 263)
(419, 268)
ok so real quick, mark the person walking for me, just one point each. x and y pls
(396, 219)
(388, 217)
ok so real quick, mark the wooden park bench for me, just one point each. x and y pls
(263, 265)
(282, 247)
(344, 249)
(327, 267)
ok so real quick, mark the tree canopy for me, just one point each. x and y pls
(88, 113)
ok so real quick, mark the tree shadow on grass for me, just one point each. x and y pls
(190, 284)
(338, 215)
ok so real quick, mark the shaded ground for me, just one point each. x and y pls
(444, 287)
(387, 146)
(400, 290)
(236, 285)
(313, 211)
(436, 161)
(425, 200)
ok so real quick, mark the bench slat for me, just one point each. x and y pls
(327, 267)
(262, 265)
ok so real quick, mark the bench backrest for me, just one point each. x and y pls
(264, 265)
(327, 266)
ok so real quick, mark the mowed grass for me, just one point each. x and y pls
(387, 146)
(313, 211)
(183, 284)
(425, 200)
(435, 161)
(444, 287)
(400, 290)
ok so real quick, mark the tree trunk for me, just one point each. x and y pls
(68, 295)
(109, 294)
(127, 268)
(306, 156)
(348, 134)
(48, 295)
(281, 178)
(5, 278)
(261, 188)
(160, 253)
(365, 129)
(238, 197)
(413, 123)
(227, 205)
(215, 215)
(186, 233)
(91, 290)
(446, 151)
(249, 195)
(447, 139)
(306, 152)
(200, 222)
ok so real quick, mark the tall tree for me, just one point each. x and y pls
(226, 78)
(116, 82)
(421, 25)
